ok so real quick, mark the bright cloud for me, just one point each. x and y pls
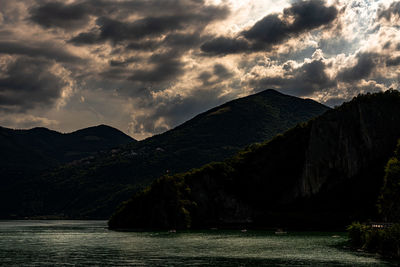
(145, 66)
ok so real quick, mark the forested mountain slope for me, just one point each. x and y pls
(324, 173)
(93, 187)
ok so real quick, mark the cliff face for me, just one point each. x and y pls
(341, 147)
(323, 173)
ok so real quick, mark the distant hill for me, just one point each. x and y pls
(40, 148)
(24, 154)
(321, 174)
(222, 131)
(93, 188)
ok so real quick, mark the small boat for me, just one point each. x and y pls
(280, 232)
(172, 231)
(243, 230)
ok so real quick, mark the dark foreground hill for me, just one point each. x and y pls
(26, 153)
(40, 148)
(93, 188)
(321, 174)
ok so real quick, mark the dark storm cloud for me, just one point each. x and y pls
(225, 45)
(393, 61)
(205, 77)
(38, 50)
(86, 38)
(270, 30)
(387, 45)
(366, 63)
(302, 81)
(165, 71)
(147, 45)
(28, 83)
(184, 41)
(310, 15)
(222, 72)
(142, 61)
(167, 66)
(175, 110)
(275, 29)
(117, 31)
(61, 15)
(167, 28)
(183, 15)
(219, 74)
(117, 63)
(392, 10)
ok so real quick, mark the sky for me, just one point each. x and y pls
(146, 66)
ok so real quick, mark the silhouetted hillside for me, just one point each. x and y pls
(94, 187)
(41, 148)
(26, 153)
(324, 173)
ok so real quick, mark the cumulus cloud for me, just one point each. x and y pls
(192, 15)
(395, 61)
(167, 29)
(166, 67)
(39, 49)
(226, 45)
(61, 15)
(25, 121)
(276, 28)
(29, 83)
(392, 11)
(146, 66)
(302, 80)
(366, 63)
(164, 109)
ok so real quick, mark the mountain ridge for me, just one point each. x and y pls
(323, 173)
(92, 188)
(52, 147)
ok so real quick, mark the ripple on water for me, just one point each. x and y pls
(41, 243)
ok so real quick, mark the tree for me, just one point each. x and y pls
(389, 200)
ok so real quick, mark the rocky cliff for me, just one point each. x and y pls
(324, 173)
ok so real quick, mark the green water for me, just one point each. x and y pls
(82, 243)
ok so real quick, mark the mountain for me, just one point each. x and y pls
(222, 131)
(40, 148)
(92, 188)
(26, 153)
(320, 174)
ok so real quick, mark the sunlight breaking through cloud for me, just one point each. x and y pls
(146, 66)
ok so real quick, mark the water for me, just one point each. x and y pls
(81, 243)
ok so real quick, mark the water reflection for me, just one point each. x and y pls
(33, 243)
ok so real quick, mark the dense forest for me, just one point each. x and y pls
(383, 240)
(40, 148)
(26, 154)
(389, 200)
(322, 174)
(92, 187)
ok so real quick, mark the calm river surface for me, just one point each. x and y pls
(80, 243)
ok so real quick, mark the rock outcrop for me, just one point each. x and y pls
(324, 173)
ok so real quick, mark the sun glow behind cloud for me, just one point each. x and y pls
(147, 66)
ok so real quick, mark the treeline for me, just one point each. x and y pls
(93, 187)
(385, 240)
(321, 174)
